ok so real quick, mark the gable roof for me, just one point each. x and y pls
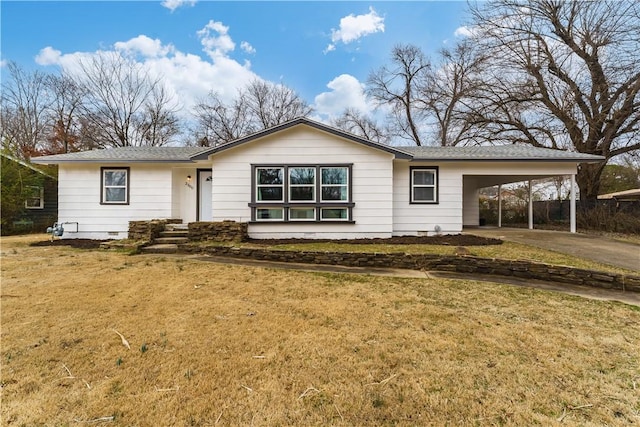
(398, 152)
(498, 153)
(412, 153)
(126, 155)
(27, 165)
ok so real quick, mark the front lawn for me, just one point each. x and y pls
(214, 344)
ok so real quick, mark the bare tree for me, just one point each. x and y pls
(64, 115)
(399, 87)
(448, 94)
(158, 123)
(124, 105)
(23, 112)
(357, 123)
(564, 75)
(257, 106)
(218, 123)
(271, 104)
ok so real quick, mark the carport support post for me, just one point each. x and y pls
(572, 206)
(500, 206)
(530, 206)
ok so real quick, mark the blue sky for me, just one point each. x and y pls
(323, 50)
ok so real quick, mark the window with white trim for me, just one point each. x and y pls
(114, 186)
(270, 184)
(424, 185)
(301, 193)
(302, 184)
(35, 198)
(335, 184)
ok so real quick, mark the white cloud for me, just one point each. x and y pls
(188, 76)
(464, 31)
(330, 48)
(144, 46)
(174, 4)
(246, 46)
(215, 39)
(48, 56)
(346, 92)
(3, 63)
(353, 27)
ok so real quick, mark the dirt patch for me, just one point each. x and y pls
(74, 243)
(446, 240)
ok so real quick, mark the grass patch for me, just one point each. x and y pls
(241, 345)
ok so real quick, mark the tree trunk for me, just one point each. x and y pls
(588, 180)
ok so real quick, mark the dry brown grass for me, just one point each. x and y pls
(227, 345)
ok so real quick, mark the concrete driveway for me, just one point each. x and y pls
(595, 248)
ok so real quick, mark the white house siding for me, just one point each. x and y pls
(372, 181)
(183, 196)
(150, 196)
(422, 219)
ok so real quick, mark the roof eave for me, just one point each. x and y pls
(510, 159)
(119, 161)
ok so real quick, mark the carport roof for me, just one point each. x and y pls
(498, 153)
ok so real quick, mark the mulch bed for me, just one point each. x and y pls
(447, 240)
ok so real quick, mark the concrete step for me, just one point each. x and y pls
(174, 233)
(163, 248)
(170, 240)
(172, 227)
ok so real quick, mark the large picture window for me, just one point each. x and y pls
(424, 185)
(302, 193)
(115, 186)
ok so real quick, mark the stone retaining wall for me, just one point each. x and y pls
(460, 264)
(149, 230)
(223, 231)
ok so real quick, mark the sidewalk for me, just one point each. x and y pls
(594, 248)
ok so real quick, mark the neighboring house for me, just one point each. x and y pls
(633, 194)
(298, 179)
(29, 196)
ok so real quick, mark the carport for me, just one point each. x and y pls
(483, 166)
(472, 184)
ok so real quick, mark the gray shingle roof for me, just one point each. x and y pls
(497, 153)
(126, 155)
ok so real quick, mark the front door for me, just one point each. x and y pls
(205, 187)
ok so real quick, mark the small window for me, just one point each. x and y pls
(35, 198)
(302, 214)
(334, 214)
(115, 186)
(270, 184)
(269, 214)
(424, 185)
(335, 184)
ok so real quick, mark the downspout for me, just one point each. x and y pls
(530, 206)
(572, 206)
(500, 206)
